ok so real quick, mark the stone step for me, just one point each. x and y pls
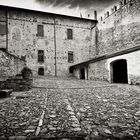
(2, 84)
(5, 93)
(41, 138)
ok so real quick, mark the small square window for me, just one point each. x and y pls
(69, 34)
(41, 71)
(40, 30)
(40, 56)
(70, 57)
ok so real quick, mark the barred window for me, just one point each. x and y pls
(40, 30)
(41, 56)
(70, 57)
(69, 34)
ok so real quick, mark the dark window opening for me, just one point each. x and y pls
(71, 70)
(40, 56)
(115, 8)
(70, 57)
(40, 30)
(107, 14)
(69, 34)
(82, 73)
(131, 4)
(2, 28)
(101, 18)
(124, 2)
(119, 71)
(41, 71)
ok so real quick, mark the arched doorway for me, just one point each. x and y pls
(119, 71)
(41, 71)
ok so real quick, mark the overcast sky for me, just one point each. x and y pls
(67, 7)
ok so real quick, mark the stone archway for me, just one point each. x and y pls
(119, 71)
(41, 71)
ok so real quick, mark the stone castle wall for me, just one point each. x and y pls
(10, 65)
(118, 32)
(117, 37)
(121, 29)
(24, 42)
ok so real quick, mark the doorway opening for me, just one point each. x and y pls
(41, 71)
(82, 73)
(119, 71)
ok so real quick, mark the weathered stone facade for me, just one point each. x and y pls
(10, 65)
(96, 50)
(117, 38)
(24, 41)
(121, 29)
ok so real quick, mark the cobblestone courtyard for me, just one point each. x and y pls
(72, 109)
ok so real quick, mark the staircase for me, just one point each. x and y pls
(10, 65)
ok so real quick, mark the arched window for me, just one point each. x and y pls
(41, 71)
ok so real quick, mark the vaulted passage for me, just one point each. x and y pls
(119, 71)
(41, 71)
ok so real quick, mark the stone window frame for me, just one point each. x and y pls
(43, 71)
(70, 57)
(70, 34)
(41, 56)
(40, 30)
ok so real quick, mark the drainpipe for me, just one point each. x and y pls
(96, 41)
(55, 48)
(17, 64)
(96, 34)
(6, 31)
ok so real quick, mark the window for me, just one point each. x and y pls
(41, 56)
(40, 30)
(41, 71)
(69, 34)
(115, 8)
(70, 57)
(2, 28)
(71, 70)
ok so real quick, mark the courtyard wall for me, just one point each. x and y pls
(120, 30)
(10, 65)
(102, 70)
(117, 37)
(24, 42)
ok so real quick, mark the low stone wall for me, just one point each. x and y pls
(19, 84)
(2, 84)
(10, 65)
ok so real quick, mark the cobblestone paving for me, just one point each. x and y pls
(69, 112)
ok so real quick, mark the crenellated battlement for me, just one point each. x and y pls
(123, 4)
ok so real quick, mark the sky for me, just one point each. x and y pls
(66, 7)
